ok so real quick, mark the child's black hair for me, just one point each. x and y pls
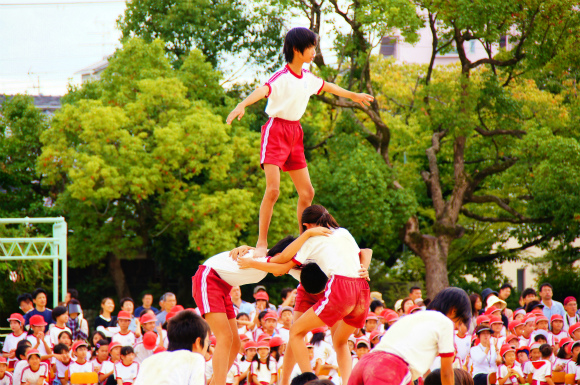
(60, 349)
(312, 278)
(361, 345)
(67, 333)
(562, 353)
(298, 38)
(262, 315)
(540, 337)
(275, 353)
(21, 349)
(546, 350)
(303, 378)
(461, 377)
(280, 246)
(375, 304)
(452, 298)
(184, 329)
(103, 336)
(126, 350)
(257, 358)
(316, 338)
(241, 314)
(318, 215)
(57, 312)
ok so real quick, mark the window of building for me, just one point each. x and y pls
(388, 46)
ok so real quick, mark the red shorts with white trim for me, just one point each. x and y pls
(211, 293)
(305, 300)
(345, 299)
(282, 144)
(370, 370)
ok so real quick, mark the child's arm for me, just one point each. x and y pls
(273, 379)
(274, 268)
(447, 377)
(549, 381)
(365, 257)
(119, 381)
(360, 98)
(292, 249)
(42, 378)
(239, 111)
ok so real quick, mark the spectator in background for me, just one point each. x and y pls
(78, 326)
(40, 298)
(528, 296)
(476, 307)
(415, 293)
(71, 294)
(288, 295)
(551, 307)
(262, 289)
(571, 317)
(25, 303)
(147, 302)
(167, 302)
(106, 319)
(241, 305)
(128, 305)
(504, 292)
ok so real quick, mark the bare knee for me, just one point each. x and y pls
(297, 334)
(306, 194)
(272, 193)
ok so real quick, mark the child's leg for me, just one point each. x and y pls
(298, 331)
(220, 325)
(289, 360)
(267, 207)
(340, 343)
(301, 179)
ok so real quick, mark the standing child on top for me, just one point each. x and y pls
(288, 91)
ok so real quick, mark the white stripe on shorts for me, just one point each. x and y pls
(204, 299)
(266, 134)
(326, 297)
(407, 379)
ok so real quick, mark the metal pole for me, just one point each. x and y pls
(59, 231)
(32, 220)
(54, 283)
(28, 258)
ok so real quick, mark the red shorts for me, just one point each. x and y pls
(282, 144)
(370, 370)
(211, 293)
(345, 299)
(305, 300)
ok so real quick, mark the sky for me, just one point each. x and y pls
(44, 42)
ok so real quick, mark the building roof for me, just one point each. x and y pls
(95, 67)
(42, 102)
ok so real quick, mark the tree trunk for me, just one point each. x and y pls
(118, 276)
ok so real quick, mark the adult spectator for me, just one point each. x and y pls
(106, 319)
(288, 295)
(415, 293)
(147, 304)
(168, 301)
(78, 326)
(239, 303)
(528, 296)
(71, 294)
(183, 363)
(40, 298)
(551, 307)
(476, 309)
(572, 317)
(25, 303)
(262, 289)
(128, 306)
(504, 292)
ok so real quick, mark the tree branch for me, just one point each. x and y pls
(481, 218)
(432, 178)
(494, 256)
(484, 132)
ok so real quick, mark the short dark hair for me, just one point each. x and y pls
(545, 284)
(126, 350)
(60, 349)
(280, 246)
(413, 288)
(532, 305)
(320, 382)
(39, 290)
(375, 304)
(461, 377)
(539, 337)
(69, 334)
(285, 292)
(262, 314)
(57, 312)
(21, 348)
(122, 302)
(184, 329)
(452, 298)
(73, 293)
(506, 286)
(318, 215)
(146, 294)
(312, 278)
(26, 297)
(528, 291)
(546, 350)
(241, 314)
(298, 38)
(303, 378)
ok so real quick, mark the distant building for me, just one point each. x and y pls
(94, 71)
(48, 104)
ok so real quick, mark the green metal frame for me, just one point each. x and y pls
(55, 249)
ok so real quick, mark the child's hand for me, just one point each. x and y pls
(315, 231)
(12, 353)
(363, 273)
(40, 336)
(239, 111)
(240, 252)
(363, 99)
(245, 263)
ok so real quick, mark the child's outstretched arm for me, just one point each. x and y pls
(240, 109)
(292, 249)
(360, 98)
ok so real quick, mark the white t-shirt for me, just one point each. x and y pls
(284, 334)
(126, 373)
(11, 342)
(107, 367)
(54, 332)
(180, 367)
(125, 339)
(264, 374)
(482, 362)
(230, 272)
(208, 370)
(463, 346)
(17, 375)
(141, 353)
(541, 370)
(502, 372)
(32, 377)
(41, 348)
(75, 367)
(61, 368)
(419, 338)
(7, 379)
(289, 93)
(233, 373)
(570, 367)
(337, 253)
(558, 337)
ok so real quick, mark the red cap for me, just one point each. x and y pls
(520, 311)
(481, 319)
(522, 349)
(506, 348)
(413, 309)
(37, 320)
(567, 300)
(363, 340)
(270, 314)
(114, 345)
(244, 337)
(490, 310)
(565, 340)
(149, 340)
(250, 345)
(124, 315)
(16, 317)
(309, 345)
(495, 320)
(159, 349)
(264, 337)
(535, 345)
(147, 317)
(511, 337)
(541, 318)
(212, 340)
(571, 346)
(391, 317)
(375, 334)
(32, 351)
(263, 344)
(573, 328)
(261, 295)
(514, 324)
(319, 330)
(537, 311)
(372, 316)
(530, 318)
(276, 341)
(176, 309)
(556, 317)
(78, 344)
(3, 360)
